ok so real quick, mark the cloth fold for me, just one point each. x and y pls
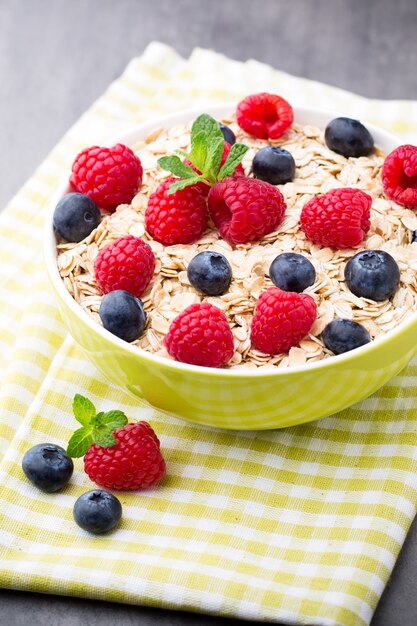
(300, 526)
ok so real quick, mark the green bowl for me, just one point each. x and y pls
(233, 399)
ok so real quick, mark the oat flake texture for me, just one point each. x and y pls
(318, 170)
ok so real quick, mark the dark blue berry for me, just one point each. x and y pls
(372, 274)
(414, 236)
(274, 165)
(343, 335)
(348, 137)
(47, 466)
(228, 134)
(122, 314)
(97, 511)
(292, 272)
(75, 216)
(210, 273)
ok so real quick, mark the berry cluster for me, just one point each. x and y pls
(117, 455)
(209, 186)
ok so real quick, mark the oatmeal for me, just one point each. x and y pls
(318, 170)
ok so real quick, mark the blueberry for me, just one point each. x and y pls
(210, 273)
(348, 137)
(122, 314)
(372, 274)
(47, 466)
(97, 511)
(343, 335)
(292, 272)
(414, 236)
(75, 216)
(274, 165)
(228, 134)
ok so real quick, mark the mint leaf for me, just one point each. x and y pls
(214, 157)
(208, 126)
(204, 132)
(97, 420)
(80, 441)
(113, 419)
(185, 182)
(105, 424)
(236, 154)
(104, 437)
(84, 410)
(199, 148)
(177, 167)
(182, 153)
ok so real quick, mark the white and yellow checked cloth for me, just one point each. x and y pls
(301, 525)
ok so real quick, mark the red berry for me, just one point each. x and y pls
(135, 462)
(245, 209)
(264, 115)
(239, 171)
(200, 335)
(399, 176)
(281, 320)
(339, 218)
(128, 264)
(180, 217)
(110, 176)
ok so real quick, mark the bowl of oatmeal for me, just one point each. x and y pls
(254, 390)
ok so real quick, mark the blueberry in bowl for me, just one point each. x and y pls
(292, 272)
(274, 165)
(348, 137)
(372, 274)
(76, 216)
(210, 273)
(342, 335)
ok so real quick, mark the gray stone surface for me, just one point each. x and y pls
(57, 56)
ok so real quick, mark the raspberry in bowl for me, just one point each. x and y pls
(254, 388)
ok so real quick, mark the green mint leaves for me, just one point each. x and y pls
(207, 145)
(236, 154)
(96, 427)
(176, 166)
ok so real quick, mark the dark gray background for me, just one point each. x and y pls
(57, 56)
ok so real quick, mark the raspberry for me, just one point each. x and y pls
(200, 335)
(399, 176)
(135, 462)
(110, 176)
(128, 264)
(239, 171)
(180, 217)
(339, 218)
(264, 115)
(245, 209)
(281, 320)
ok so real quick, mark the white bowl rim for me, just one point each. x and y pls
(220, 110)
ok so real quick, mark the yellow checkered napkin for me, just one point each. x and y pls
(301, 525)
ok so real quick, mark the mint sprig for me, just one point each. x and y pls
(207, 144)
(96, 427)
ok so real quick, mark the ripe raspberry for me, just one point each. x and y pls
(264, 115)
(339, 218)
(180, 217)
(200, 335)
(281, 320)
(135, 462)
(245, 209)
(399, 176)
(128, 264)
(110, 176)
(239, 171)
